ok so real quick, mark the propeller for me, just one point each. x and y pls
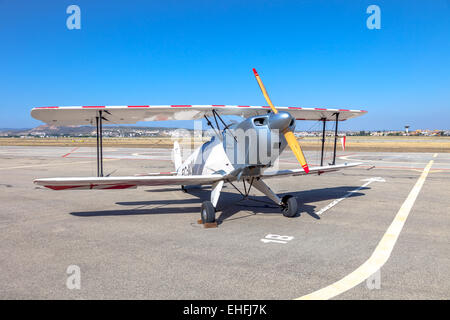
(288, 135)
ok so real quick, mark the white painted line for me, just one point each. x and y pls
(351, 158)
(435, 155)
(382, 252)
(335, 202)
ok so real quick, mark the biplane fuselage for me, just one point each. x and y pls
(242, 149)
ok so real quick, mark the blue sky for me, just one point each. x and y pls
(308, 53)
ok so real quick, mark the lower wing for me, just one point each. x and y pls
(107, 183)
(110, 183)
(297, 172)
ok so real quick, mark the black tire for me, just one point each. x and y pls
(289, 206)
(208, 212)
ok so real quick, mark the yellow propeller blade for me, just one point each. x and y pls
(274, 110)
(295, 147)
(289, 135)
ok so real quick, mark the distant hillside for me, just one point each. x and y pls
(77, 131)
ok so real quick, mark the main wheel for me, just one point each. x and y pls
(208, 212)
(289, 206)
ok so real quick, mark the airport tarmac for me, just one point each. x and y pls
(146, 244)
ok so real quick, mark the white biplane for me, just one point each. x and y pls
(228, 157)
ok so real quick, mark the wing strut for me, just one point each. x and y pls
(323, 141)
(98, 121)
(335, 137)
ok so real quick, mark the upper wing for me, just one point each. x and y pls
(124, 182)
(85, 115)
(297, 172)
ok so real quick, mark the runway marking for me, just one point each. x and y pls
(71, 151)
(51, 164)
(276, 238)
(382, 252)
(401, 168)
(335, 202)
(117, 158)
(432, 171)
(379, 161)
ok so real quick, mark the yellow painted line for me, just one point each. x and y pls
(431, 171)
(382, 252)
(435, 155)
(52, 164)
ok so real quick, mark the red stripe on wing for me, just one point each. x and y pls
(62, 187)
(93, 186)
(121, 186)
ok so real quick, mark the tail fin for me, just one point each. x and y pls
(177, 155)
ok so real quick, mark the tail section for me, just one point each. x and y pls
(177, 155)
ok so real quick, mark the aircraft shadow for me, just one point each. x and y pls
(314, 195)
(156, 210)
(229, 204)
(262, 205)
(155, 202)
